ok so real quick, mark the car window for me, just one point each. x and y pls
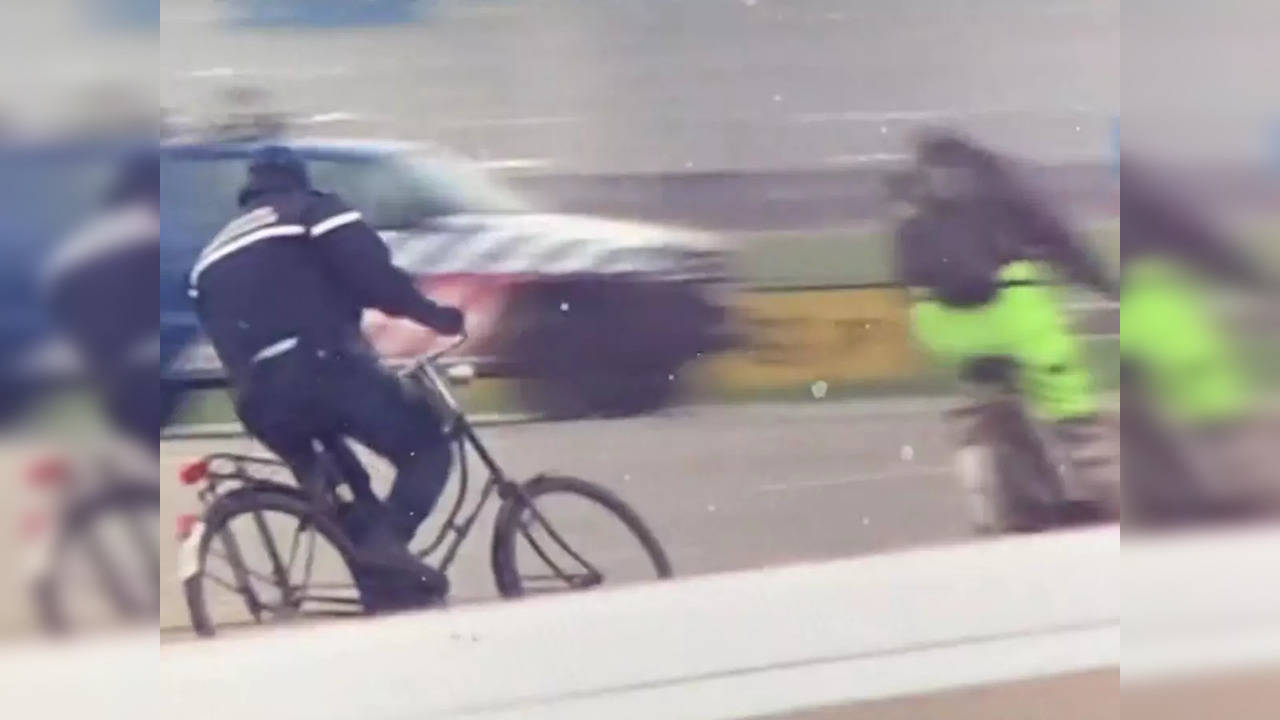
(377, 187)
(392, 191)
(400, 191)
(455, 185)
(200, 192)
(198, 196)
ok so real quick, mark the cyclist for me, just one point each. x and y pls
(100, 286)
(280, 291)
(976, 252)
(1171, 255)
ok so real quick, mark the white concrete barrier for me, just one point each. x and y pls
(1201, 603)
(706, 648)
(714, 647)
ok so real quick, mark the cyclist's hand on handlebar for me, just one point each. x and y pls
(448, 320)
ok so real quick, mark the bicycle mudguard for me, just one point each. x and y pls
(189, 552)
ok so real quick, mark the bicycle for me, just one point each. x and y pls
(1177, 475)
(1012, 473)
(102, 523)
(233, 486)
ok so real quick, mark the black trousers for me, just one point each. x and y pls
(310, 399)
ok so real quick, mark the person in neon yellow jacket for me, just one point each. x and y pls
(1170, 256)
(983, 257)
(1191, 381)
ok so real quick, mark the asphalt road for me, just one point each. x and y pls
(724, 488)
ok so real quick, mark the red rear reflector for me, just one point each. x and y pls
(48, 472)
(186, 523)
(193, 472)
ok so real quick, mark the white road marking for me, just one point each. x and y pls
(905, 474)
(865, 158)
(515, 164)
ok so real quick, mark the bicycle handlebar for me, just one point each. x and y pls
(424, 369)
(430, 358)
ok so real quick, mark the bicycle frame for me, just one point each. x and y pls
(463, 436)
(496, 484)
(425, 371)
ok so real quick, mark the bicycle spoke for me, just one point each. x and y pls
(225, 584)
(280, 579)
(561, 583)
(293, 549)
(280, 610)
(573, 580)
(238, 568)
(294, 609)
(250, 573)
(329, 586)
(311, 557)
(295, 606)
(537, 549)
(547, 578)
(559, 540)
(333, 613)
(334, 599)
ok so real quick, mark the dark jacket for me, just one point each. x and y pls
(956, 250)
(298, 264)
(1157, 223)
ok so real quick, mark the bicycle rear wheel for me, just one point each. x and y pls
(562, 533)
(274, 557)
(1011, 485)
(109, 536)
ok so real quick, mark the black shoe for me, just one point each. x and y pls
(384, 591)
(379, 597)
(391, 577)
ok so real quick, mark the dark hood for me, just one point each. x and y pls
(269, 181)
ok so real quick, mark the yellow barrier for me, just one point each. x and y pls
(835, 336)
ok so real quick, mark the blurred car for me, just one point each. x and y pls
(594, 316)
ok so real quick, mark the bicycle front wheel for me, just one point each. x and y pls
(559, 534)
